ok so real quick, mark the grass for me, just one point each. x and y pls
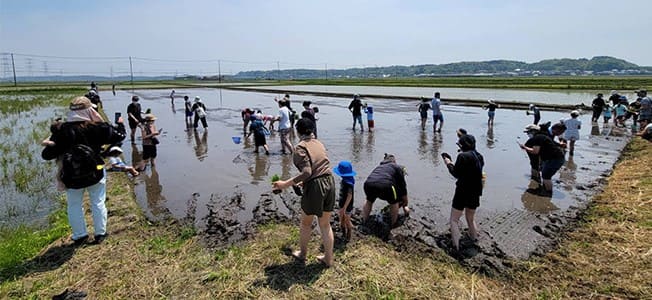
(608, 254)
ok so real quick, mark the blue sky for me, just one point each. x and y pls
(247, 35)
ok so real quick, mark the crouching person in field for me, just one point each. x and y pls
(78, 144)
(387, 182)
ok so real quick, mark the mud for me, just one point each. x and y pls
(224, 189)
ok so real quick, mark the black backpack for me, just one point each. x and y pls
(81, 167)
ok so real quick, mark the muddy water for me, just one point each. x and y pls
(507, 95)
(204, 170)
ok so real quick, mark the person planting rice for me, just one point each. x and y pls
(150, 140)
(345, 170)
(258, 129)
(387, 182)
(551, 155)
(534, 110)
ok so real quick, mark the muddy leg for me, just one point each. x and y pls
(366, 210)
(470, 220)
(547, 184)
(455, 227)
(326, 237)
(393, 213)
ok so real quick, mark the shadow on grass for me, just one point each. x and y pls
(51, 259)
(281, 277)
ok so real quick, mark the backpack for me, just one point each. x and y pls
(81, 167)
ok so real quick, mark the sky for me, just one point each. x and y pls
(166, 37)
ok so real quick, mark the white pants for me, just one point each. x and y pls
(75, 199)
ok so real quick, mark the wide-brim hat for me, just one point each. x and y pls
(344, 169)
(80, 103)
(532, 127)
(115, 149)
(575, 113)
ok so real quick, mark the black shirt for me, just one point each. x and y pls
(134, 109)
(598, 103)
(492, 107)
(468, 171)
(549, 149)
(389, 174)
(356, 105)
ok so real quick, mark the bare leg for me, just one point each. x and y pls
(366, 210)
(470, 220)
(349, 226)
(547, 184)
(304, 236)
(326, 238)
(393, 213)
(455, 227)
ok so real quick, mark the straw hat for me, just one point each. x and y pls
(150, 117)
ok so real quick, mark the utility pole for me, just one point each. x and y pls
(131, 70)
(219, 71)
(278, 68)
(326, 70)
(13, 66)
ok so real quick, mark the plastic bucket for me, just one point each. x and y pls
(236, 139)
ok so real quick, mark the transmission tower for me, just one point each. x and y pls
(45, 68)
(6, 66)
(30, 65)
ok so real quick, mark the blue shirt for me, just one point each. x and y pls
(436, 103)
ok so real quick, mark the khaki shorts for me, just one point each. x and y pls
(318, 196)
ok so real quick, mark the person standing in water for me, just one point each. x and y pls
(424, 106)
(134, 111)
(188, 107)
(356, 110)
(437, 115)
(172, 97)
(369, 110)
(534, 110)
(284, 126)
(572, 133)
(598, 106)
(200, 113)
(491, 112)
(468, 188)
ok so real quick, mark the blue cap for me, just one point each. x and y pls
(344, 169)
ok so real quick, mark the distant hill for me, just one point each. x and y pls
(599, 65)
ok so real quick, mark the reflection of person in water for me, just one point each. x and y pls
(259, 170)
(490, 137)
(537, 204)
(201, 145)
(567, 172)
(154, 191)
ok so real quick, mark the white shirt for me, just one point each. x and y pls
(284, 115)
(572, 127)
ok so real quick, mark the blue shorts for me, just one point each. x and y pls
(550, 167)
(491, 114)
(439, 117)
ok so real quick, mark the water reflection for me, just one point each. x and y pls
(260, 170)
(536, 203)
(286, 163)
(490, 137)
(595, 129)
(567, 173)
(154, 192)
(173, 110)
(422, 147)
(371, 140)
(136, 156)
(201, 145)
(356, 145)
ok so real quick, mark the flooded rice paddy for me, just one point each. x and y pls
(555, 97)
(202, 173)
(203, 178)
(26, 182)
